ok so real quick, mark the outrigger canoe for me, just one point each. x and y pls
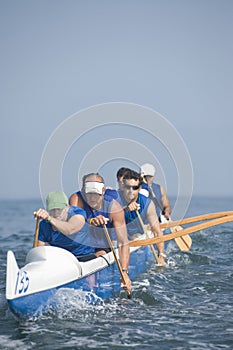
(30, 290)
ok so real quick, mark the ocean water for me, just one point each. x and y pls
(187, 305)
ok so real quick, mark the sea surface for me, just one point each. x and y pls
(187, 305)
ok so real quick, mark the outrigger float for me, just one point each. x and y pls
(32, 289)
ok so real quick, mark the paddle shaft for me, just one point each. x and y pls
(115, 257)
(157, 202)
(183, 232)
(147, 236)
(36, 233)
(196, 218)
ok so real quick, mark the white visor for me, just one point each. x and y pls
(94, 187)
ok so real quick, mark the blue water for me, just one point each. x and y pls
(187, 305)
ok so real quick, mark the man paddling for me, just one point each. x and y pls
(132, 201)
(64, 226)
(158, 195)
(155, 191)
(102, 210)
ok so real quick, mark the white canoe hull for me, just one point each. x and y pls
(47, 269)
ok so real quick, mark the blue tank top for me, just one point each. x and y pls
(111, 193)
(157, 191)
(131, 219)
(77, 243)
(105, 210)
(97, 234)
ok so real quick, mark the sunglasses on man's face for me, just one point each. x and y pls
(128, 187)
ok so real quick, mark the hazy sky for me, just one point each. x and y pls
(59, 57)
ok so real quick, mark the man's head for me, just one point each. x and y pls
(93, 189)
(56, 202)
(119, 175)
(131, 185)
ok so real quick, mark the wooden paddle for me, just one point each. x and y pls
(115, 257)
(183, 232)
(36, 233)
(147, 236)
(184, 243)
(195, 219)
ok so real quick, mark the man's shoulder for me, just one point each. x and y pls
(143, 199)
(156, 185)
(110, 194)
(73, 210)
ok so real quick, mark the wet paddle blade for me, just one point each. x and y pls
(184, 243)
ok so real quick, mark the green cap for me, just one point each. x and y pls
(56, 200)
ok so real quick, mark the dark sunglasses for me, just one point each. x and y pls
(128, 187)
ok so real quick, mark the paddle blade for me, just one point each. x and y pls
(184, 243)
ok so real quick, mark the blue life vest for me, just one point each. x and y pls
(97, 234)
(131, 218)
(111, 193)
(158, 194)
(77, 243)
